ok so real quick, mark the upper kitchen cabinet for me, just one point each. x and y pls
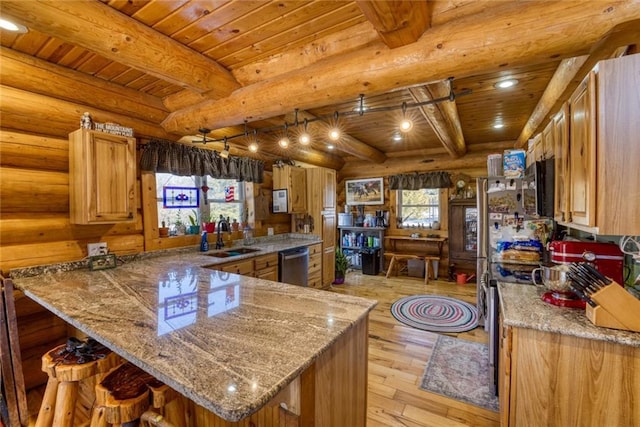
(102, 177)
(561, 155)
(294, 180)
(604, 178)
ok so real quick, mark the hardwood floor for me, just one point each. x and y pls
(398, 355)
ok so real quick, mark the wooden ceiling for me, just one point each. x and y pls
(169, 68)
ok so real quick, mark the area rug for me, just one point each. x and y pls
(459, 369)
(435, 313)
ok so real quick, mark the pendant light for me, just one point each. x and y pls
(225, 152)
(284, 141)
(305, 138)
(406, 124)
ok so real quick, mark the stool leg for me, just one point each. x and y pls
(98, 418)
(390, 269)
(435, 268)
(66, 404)
(45, 415)
(426, 271)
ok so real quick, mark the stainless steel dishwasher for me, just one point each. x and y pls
(293, 266)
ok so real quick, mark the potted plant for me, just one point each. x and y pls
(342, 264)
(210, 226)
(194, 228)
(164, 230)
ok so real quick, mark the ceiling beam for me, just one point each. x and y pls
(571, 72)
(398, 22)
(99, 28)
(442, 116)
(347, 143)
(467, 46)
(30, 73)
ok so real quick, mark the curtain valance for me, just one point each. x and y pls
(183, 160)
(416, 181)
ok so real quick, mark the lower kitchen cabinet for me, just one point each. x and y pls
(552, 379)
(314, 279)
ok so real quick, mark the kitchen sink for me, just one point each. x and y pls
(233, 252)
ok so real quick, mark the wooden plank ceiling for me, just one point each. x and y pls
(169, 68)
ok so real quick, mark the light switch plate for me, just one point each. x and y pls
(94, 249)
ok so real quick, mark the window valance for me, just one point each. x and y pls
(416, 181)
(183, 160)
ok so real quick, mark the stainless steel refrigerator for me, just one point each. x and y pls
(511, 239)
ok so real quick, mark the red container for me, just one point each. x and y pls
(607, 258)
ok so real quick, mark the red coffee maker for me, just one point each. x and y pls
(607, 258)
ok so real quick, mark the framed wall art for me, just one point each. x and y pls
(368, 191)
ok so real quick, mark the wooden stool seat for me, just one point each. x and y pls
(67, 365)
(126, 393)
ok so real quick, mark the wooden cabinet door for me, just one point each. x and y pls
(102, 177)
(562, 165)
(582, 155)
(548, 141)
(329, 248)
(328, 266)
(329, 189)
(294, 180)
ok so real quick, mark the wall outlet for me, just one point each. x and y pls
(94, 249)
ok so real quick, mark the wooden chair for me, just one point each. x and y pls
(66, 371)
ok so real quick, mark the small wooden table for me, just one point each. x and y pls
(437, 240)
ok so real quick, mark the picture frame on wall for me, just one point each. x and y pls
(368, 191)
(280, 201)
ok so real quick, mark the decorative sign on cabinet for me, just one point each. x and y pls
(293, 179)
(102, 177)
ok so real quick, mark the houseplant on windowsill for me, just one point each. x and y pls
(164, 230)
(342, 264)
(194, 228)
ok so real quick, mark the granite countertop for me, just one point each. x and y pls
(523, 307)
(228, 342)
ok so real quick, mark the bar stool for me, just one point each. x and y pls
(396, 259)
(126, 393)
(434, 261)
(67, 365)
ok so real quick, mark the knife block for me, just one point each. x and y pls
(616, 309)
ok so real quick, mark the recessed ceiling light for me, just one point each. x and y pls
(498, 126)
(10, 26)
(397, 137)
(330, 146)
(506, 83)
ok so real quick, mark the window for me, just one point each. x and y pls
(419, 208)
(212, 203)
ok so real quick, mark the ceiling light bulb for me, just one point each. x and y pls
(253, 147)
(406, 125)
(225, 153)
(284, 142)
(506, 83)
(10, 26)
(498, 126)
(305, 139)
(334, 134)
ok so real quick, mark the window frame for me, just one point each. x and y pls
(399, 209)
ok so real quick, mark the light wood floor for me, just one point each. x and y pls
(398, 355)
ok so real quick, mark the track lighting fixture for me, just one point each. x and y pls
(304, 137)
(225, 152)
(406, 124)
(253, 147)
(335, 133)
(284, 141)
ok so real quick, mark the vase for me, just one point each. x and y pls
(194, 229)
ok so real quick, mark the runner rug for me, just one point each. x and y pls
(459, 369)
(435, 313)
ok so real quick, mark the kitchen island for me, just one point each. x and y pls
(229, 343)
(558, 369)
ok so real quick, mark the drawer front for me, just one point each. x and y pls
(315, 280)
(265, 261)
(269, 273)
(315, 264)
(315, 249)
(241, 267)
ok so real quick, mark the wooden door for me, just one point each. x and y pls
(562, 165)
(582, 153)
(329, 189)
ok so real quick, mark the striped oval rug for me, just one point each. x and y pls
(435, 313)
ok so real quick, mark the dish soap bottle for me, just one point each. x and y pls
(204, 243)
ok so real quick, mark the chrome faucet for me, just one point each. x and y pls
(222, 223)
